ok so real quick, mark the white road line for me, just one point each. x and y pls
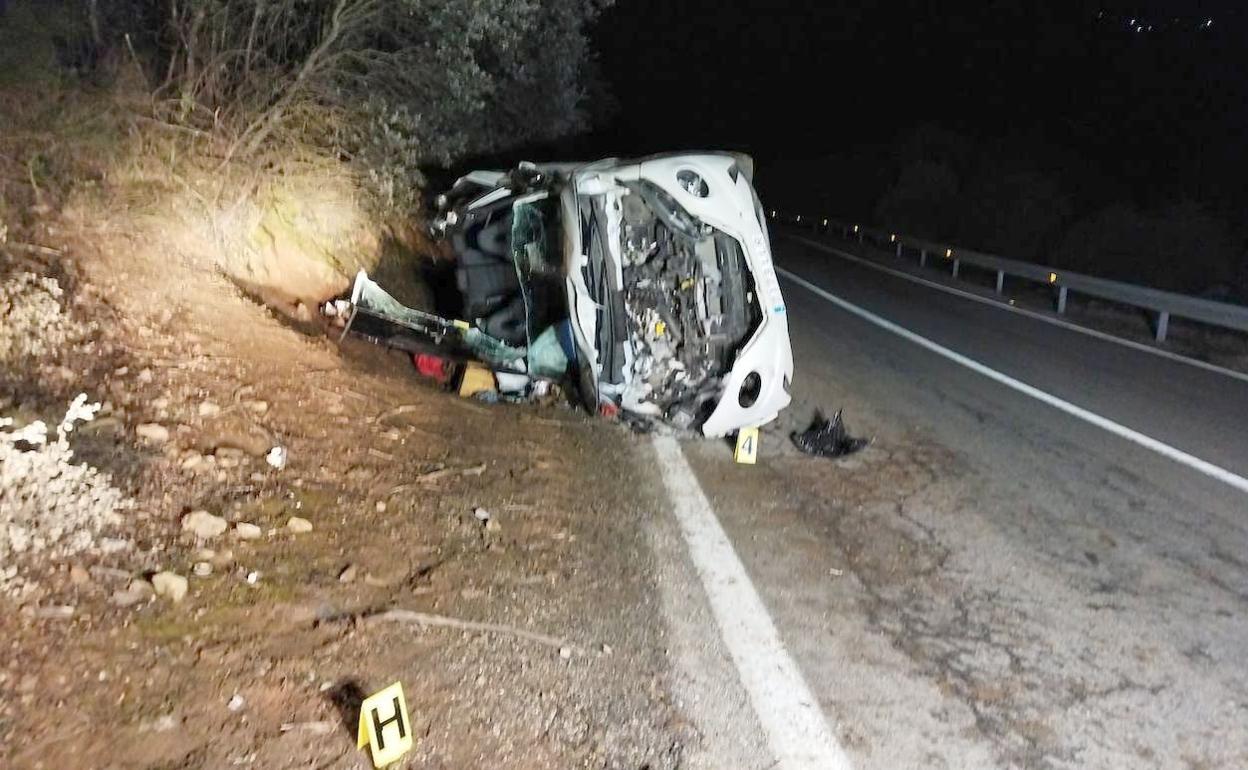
(797, 733)
(1178, 455)
(1019, 310)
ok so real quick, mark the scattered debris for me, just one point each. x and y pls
(481, 514)
(298, 525)
(204, 525)
(252, 578)
(236, 703)
(208, 409)
(348, 574)
(315, 728)
(565, 653)
(170, 585)
(827, 438)
(201, 569)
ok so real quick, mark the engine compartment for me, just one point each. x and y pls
(690, 305)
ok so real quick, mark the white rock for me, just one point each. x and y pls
(244, 530)
(154, 432)
(276, 457)
(137, 591)
(170, 585)
(204, 525)
(208, 409)
(298, 525)
(236, 703)
(160, 725)
(201, 569)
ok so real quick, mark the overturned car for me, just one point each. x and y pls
(648, 283)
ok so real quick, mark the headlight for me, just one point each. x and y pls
(692, 183)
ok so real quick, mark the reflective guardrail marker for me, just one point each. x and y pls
(384, 725)
(746, 452)
(1052, 277)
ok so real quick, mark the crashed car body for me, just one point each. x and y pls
(658, 269)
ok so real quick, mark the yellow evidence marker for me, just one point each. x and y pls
(477, 379)
(747, 446)
(384, 725)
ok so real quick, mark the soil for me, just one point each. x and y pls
(265, 660)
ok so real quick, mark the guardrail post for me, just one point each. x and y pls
(922, 257)
(1061, 300)
(1163, 323)
(956, 264)
(1000, 280)
(899, 248)
(860, 235)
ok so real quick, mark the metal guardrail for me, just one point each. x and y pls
(1164, 303)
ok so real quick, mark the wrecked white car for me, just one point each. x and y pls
(653, 278)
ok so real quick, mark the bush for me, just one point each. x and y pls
(390, 84)
(1181, 247)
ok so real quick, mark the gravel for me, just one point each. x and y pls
(49, 504)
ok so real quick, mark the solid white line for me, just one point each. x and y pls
(797, 733)
(1178, 455)
(1100, 335)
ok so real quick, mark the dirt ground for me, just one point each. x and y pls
(264, 661)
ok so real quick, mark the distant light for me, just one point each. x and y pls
(1052, 277)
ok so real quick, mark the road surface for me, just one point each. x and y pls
(996, 581)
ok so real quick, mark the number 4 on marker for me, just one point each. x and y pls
(384, 726)
(747, 446)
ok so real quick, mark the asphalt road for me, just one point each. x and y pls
(994, 582)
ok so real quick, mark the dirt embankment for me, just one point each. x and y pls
(227, 611)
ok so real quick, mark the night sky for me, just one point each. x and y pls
(1151, 97)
